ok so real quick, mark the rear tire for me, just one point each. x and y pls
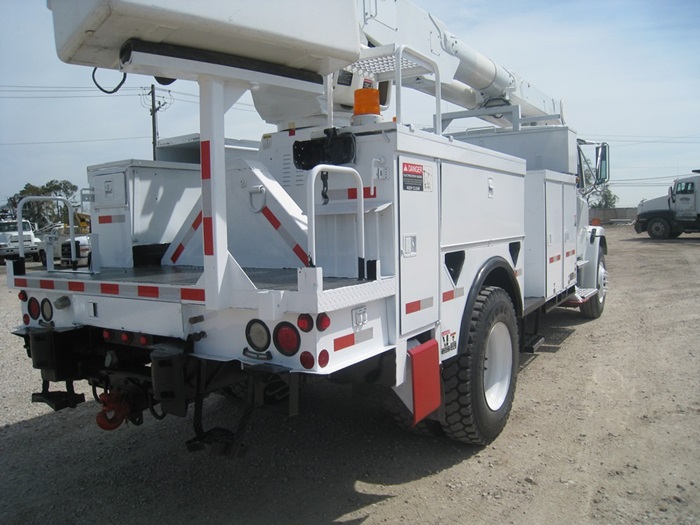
(42, 258)
(658, 229)
(480, 381)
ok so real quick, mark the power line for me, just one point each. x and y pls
(68, 141)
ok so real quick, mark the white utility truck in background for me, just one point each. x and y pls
(669, 216)
(348, 244)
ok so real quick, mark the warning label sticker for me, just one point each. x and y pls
(448, 342)
(412, 176)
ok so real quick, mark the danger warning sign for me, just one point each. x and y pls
(412, 176)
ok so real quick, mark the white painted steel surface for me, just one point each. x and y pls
(91, 32)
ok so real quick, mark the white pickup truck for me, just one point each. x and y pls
(60, 235)
(9, 241)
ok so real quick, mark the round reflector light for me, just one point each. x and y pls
(307, 360)
(25, 318)
(46, 310)
(258, 335)
(34, 308)
(323, 322)
(22, 296)
(287, 339)
(323, 358)
(305, 322)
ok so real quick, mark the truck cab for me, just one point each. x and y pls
(9, 241)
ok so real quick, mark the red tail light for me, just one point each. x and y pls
(287, 339)
(323, 322)
(307, 360)
(25, 318)
(34, 308)
(22, 296)
(143, 340)
(125, 337)
(106, 335)
(305, 322)
(323, 358)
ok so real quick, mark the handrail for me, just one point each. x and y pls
(428, 64)
(46, 198)
(311, 201)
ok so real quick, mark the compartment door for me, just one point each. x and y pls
(419, 251)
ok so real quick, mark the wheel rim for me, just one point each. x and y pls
(658, 229)
(602, 282)
(497, 366)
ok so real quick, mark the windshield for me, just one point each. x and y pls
(11, 226)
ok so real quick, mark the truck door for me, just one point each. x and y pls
(419, 251)
(685, 201)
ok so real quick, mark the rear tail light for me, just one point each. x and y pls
(258, 335)
(34, 308)
(323, 358)
(144, 340)
(287, 339)
(46, 310)
(25, 318)
(22, 296)
(305, 322)
(125, 337)
(307, 360)
(323, 322)
(107, 335)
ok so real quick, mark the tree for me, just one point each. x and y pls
(606, 200)
(48, 212)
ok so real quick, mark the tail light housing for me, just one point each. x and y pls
(305, 323)
(33, 308)
(258, 335)
(286, 338)
(323, 322)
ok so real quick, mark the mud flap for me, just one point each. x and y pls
(425, 379)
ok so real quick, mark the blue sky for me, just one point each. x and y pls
(628, 71)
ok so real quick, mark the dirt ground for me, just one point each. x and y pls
(605, 429)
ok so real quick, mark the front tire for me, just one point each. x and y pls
(480, 382)
(593, 308)
(658, 229)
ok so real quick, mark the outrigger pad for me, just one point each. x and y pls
(58, 400)
(219, 442)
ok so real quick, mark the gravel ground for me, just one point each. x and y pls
(605, 429)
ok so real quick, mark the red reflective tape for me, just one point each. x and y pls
(178, 251)
(20, 282)
(76, 286)
(46, 285)
(148, 291)
(208, 236)
(367, 193)
(343, 342)
(267, 212)
(111, 289)
(104, 219)
(192, 294)
(205, 155)
(412, 307)
(448, 296)
(299, 251)
(197, 221)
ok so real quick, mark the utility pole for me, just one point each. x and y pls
(154, 119)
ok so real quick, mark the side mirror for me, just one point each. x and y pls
(671, 194)
(602, 167)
